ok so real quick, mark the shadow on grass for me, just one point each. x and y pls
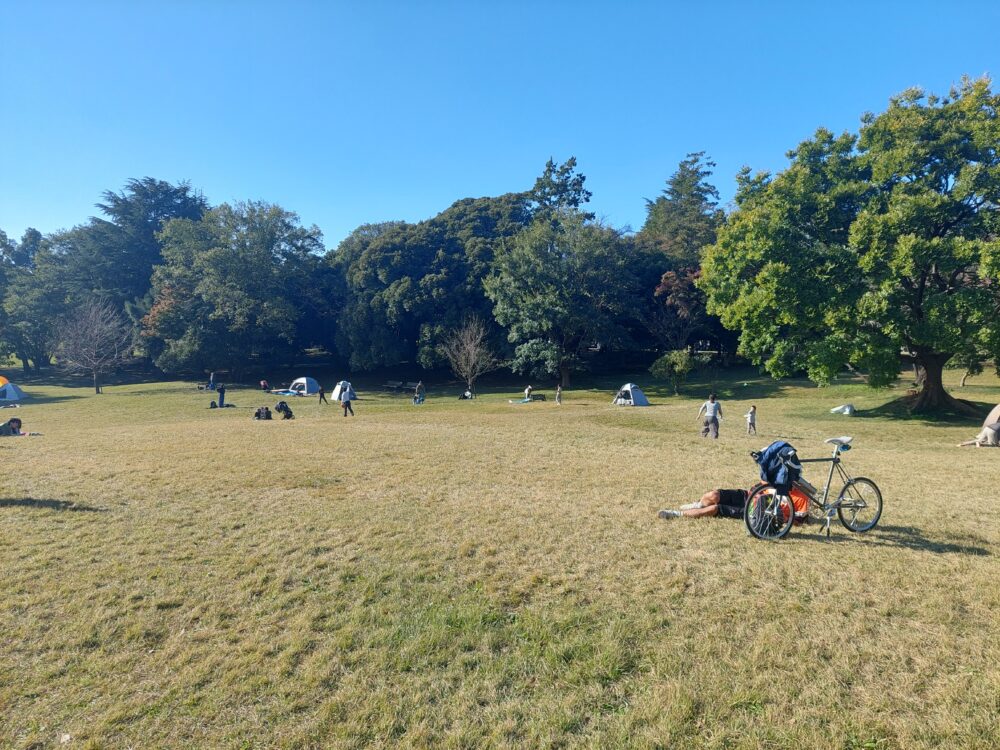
(903, 537)
(30, 502)
(899, 409)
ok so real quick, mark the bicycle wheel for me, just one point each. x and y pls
(768, 515)
(859, 505)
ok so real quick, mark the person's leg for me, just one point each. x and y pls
(706, 428)
(350, 408)
(714, 428)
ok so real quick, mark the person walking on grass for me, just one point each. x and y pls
(712, 410)
(751, 417)
(322, 396)
(559, 394)
(345, 400)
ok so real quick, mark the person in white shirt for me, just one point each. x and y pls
(751, 417)
(712, 410)
(527, 393)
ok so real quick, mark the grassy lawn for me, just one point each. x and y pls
(468, 575)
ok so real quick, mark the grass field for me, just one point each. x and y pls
(468, 575)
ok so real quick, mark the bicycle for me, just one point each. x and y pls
(769, 514)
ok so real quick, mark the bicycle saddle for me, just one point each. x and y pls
(843, 440)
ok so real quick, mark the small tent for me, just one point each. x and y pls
(304, 387)
(341, 386)
(993, 417)
(10, 393)
(630, 395)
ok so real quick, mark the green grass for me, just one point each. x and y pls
(467, 575)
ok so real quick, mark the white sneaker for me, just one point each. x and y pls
(669, 514)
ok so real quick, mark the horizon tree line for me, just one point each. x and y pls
(870, 249)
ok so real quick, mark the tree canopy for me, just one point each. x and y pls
(871, 245)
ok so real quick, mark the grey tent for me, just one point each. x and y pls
(10, 393)
(304, 386)
(994, 416)
(630, 395)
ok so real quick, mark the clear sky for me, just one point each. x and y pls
(362, 111)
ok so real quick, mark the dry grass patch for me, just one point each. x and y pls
(483, 575)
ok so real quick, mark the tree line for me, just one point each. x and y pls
(868, 248)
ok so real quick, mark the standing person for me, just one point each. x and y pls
(345, 399)
(322, 395)
(712, 410)
(419, 393)
(222, 394)
(527, 393)
(559, 394)
(751, 417)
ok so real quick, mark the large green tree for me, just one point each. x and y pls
(562, 287)
(233, 291)
(873, 246)
(410, 285)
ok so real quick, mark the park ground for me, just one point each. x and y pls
(486, 575)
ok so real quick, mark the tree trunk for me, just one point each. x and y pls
(564, 375)
(933, 397)
(97, 384)
(965, 376)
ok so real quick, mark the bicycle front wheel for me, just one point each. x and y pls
(767, 514)
(859, 505)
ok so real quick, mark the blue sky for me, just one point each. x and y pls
(360, 112)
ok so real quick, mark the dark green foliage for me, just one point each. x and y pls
(562, 287)
(408, 285)
(235, 290)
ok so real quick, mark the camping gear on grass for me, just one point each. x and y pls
(10, 393)
(779, 465)
(304, 387)
(340, 387)
(630, 395)
(845, 409)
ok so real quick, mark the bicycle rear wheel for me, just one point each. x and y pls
(767, 514)
(859, 505)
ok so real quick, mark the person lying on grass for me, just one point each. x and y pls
(730, 504)
(12, 428)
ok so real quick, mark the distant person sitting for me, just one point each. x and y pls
(466, 395)
(262, 413)
(284, 410)
(264, 386)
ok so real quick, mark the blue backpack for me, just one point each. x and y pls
(779, 465)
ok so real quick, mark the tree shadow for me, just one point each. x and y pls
(903, 537)
(31, 502)
(899, 409)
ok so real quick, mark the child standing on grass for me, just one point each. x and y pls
(751, 417)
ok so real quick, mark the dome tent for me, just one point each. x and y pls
(10, 393)
(304, 386)
(341, 387)
(630, 395)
